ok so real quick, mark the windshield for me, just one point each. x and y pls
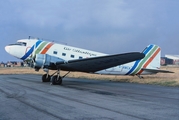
(20, 44)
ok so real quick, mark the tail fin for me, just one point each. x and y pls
(152, 56)
(150, 61)
(152, 64)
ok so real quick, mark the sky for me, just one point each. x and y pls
(108, 26)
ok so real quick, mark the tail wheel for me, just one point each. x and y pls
(46, 78)
(56, 80)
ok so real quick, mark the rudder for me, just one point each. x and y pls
(150, 61)
(152, 58)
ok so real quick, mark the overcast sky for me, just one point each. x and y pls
(109, 26)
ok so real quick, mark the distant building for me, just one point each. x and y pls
(14, 64)
(175, 58)
(2, 64)
(166, 61)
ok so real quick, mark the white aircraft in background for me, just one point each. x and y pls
(53, 56)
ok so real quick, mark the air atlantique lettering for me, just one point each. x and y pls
(79, 51)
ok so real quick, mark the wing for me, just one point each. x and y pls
(99, 63)
(156, 70)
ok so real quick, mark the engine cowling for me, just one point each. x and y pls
(45, 60)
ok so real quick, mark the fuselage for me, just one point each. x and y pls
(26, 48)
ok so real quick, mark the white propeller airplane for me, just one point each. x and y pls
(53, 56)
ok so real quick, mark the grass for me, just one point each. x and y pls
(163, 79)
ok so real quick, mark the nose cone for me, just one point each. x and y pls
(7, 48)
(15, 50)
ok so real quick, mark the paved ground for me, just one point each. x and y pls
(24, 97)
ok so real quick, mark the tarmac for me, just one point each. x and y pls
(25, 97)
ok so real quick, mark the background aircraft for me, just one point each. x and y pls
(53, 56)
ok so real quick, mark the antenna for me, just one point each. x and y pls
(31, 37)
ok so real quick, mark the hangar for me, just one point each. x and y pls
(175, 58)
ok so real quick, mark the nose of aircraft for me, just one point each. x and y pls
(7, 48)
(15, 50)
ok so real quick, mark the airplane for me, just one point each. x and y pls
(54, 56)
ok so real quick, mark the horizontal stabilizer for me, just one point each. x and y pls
(156, 70)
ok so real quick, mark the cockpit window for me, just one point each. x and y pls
(20, 44)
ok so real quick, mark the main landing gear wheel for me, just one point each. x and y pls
(46, 78)
(56, 80)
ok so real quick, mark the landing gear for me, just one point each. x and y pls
(55, 79)
(46, 78)
(141, 77)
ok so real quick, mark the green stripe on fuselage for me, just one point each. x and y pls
(144, 60)
(40, 47)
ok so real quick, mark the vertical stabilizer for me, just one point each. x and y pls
(150, 61)
(153, 55)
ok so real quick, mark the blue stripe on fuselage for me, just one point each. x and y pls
(31, 50)
(137, 62)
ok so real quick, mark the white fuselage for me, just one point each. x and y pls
(25, 48)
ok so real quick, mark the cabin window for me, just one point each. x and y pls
(80, 57)
(55, 52)
(63, 54)
(72, 56)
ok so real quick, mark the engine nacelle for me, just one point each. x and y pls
(44, 61)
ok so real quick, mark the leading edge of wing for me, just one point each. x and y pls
(99, 63)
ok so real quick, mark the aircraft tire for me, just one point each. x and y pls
(45, 79)
(55, 81)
